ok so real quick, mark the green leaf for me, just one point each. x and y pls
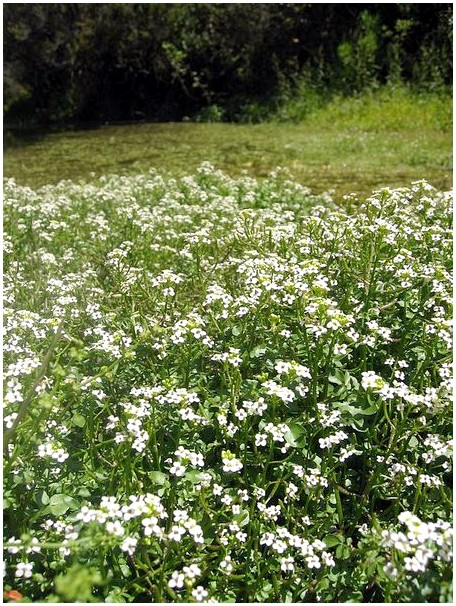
(42, 498)
(292, 436)
(354, 410)
(413, 442)
(343, 552)
(332, 540)
(229, 598)
(242, 518)
(334, 379)
(75, 585)
(258, 351)
(236, 330)
(193, 475)
(78, 420)
(158, 477)
(369, 411)
(115, 596)
(323, 584)
(61, 503)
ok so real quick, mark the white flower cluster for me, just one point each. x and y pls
(219, 301)
(230, 462)
(149, 510)
(328, 418)
(313, 479)
(231, 534)
(184, 524)
(111, 510)
(14, 546)
(313, 554)
(191, 326)
(370, 380)
(69, 532)
(184, 457)
(231, 357)
(275, 432)
(115, 343)
(432, 399)
(167, 278)
(24, 570)
(179, 395)
(188, 574)
(283, 393)
(333, 439)
(258, 407)
(54, 450)
(134, 416)
(421, 543)
(293, 369)
(436, 448)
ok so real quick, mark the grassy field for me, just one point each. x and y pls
(351, 145)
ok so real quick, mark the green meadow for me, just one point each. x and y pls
(387, 138)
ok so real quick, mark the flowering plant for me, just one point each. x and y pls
(225, 389)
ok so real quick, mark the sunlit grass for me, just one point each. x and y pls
(382, 139)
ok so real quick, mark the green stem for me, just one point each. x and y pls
(23, 409)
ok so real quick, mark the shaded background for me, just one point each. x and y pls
(74, 64)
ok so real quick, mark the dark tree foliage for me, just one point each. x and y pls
(104, 62)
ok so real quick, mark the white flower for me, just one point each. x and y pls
(24, 569)
(267, 539)
(151, 526)
(177, 469)
(176, 533)
(177, 580)
(115, 528)
(345, 453)
(327, 558)
(279, 546)
(199, 593)
(192, 571)
(282, 367)
(372, 381)
(241, 414)
(230, 462)
(291, 491)
(226, 564)
(391, 571)
(241, 536)
(261, 439)
(313, 561)
(13, 545)
(274, 389)
(180, 515)
(129, 545)
(287, 564)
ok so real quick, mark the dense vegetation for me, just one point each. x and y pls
(223, 386)
(95, 62)
(225, 390)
